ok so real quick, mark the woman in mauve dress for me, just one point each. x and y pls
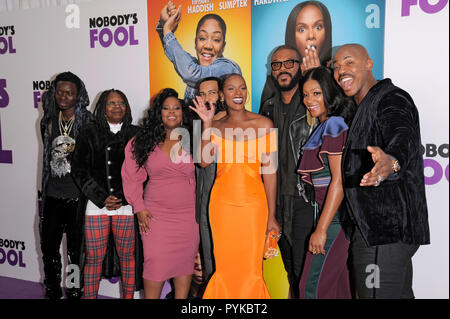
(166, 206)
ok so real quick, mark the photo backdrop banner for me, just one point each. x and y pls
(105, 43)
(114, 44)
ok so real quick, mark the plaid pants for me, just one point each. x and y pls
(97, 230)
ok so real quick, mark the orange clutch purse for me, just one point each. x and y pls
(270, 247)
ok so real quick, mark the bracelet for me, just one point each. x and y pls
(395, 166)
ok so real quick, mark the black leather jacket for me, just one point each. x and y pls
(299, 132)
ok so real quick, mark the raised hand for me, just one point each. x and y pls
(310, 60)
(168, 11)
(206, 114)
(171, 8)
(173, 20)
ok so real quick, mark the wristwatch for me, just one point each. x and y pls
(395, 166)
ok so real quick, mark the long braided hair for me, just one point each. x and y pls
(100, 109)
(51, 109)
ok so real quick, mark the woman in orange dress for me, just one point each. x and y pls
(242, 202)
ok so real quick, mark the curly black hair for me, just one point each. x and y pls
(100, 109)
(337, 103)
(152, 130)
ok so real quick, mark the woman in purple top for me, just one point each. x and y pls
(325, 273)
(166, 207)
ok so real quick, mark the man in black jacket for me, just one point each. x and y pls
(294, 206)
(65, 114)
(386, 201)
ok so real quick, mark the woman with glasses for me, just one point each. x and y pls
(294, 209)
(96, 168)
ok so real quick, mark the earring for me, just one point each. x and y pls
(310, 119)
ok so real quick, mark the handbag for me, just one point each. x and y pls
(270, 246)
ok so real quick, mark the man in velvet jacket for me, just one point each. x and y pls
(383, 179)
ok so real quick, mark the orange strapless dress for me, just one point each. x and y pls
(238, 216)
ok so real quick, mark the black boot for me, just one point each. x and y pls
(52, 281)
(74, 293)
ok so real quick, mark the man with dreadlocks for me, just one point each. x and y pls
(65, 114)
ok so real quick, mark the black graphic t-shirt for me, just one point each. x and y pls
(61, 184)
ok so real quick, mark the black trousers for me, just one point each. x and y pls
(59, 216)
(383, 271)
(293, 255)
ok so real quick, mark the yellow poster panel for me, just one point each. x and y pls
(276, 277)
(237, 18)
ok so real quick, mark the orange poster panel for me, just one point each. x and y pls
(237, 48)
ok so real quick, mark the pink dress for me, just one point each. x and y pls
(172, 243)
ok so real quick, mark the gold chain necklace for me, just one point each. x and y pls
(65, 127)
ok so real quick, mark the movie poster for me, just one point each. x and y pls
(352, 21)
(183, 69)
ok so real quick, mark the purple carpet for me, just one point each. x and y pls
(12, 288)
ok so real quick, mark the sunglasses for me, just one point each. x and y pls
(288, 64)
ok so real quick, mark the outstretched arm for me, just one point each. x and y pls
(398, 122)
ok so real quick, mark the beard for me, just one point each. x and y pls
(294, 81)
